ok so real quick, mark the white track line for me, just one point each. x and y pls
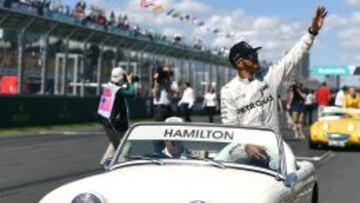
(81, 133)
(70, 133)
(315, 158)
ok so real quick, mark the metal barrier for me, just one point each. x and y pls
(21, 111)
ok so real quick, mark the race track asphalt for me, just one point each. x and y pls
(34, 164)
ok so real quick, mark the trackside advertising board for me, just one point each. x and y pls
(333, 70)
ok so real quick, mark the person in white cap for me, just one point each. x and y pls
(113, 111)
(174, 148)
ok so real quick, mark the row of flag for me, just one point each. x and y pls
(158, 6)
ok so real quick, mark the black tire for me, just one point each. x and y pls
(312, 145)
(315, 194)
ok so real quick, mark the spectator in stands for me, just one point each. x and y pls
(68, 10)
(59, 7)
(123, 22)
(89, 18)
(210, 103)
(120, 21)
(187, 101)
(93, 15)
(96, 16)
(351, 100)
(323, 95)
(126, 22)
(80, 5)
(112, 20)
(340, 96)
(198, 43)
(136, 30)
(80, 9)
(101, 20)
(46, 4)
(177, 38)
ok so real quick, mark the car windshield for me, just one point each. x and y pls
(214, 144)
(353, 113)
(339, 112)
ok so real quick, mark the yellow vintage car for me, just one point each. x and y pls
(336, 127)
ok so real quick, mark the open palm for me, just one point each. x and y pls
(318, 19)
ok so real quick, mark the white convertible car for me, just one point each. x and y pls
(194, 163)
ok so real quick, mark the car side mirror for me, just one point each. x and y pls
(106, 164)
(290, 179)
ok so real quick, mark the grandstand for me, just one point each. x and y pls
(26, 31)
(47, 52)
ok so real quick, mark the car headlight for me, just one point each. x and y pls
(325, 126)
(351, 127)
(88, 198)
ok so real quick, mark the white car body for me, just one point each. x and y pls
(186, 181)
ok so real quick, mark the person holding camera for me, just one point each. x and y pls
(163, 90)
(113, 110)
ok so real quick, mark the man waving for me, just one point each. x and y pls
(251, 100)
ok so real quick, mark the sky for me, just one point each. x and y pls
(275, 25)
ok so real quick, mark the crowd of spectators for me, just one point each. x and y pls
(302, 102)
(92, 16)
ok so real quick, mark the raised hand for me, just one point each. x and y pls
(318, 19)
(129, 78)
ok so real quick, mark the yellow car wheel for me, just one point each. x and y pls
(312, 145)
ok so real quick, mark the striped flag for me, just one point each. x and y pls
(143, 4)
(159, 7)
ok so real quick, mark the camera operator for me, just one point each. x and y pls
(163, 90)
(113, 110)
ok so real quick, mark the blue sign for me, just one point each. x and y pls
(321, 70)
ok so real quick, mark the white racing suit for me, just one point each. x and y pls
(252, 102)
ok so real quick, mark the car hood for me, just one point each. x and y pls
(173, 183)
(340, 125)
